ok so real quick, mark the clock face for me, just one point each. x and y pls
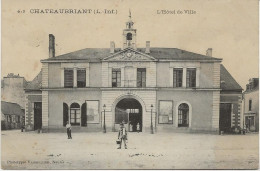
(129, 54)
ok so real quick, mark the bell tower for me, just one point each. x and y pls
(129, 34)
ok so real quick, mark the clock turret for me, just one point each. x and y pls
(129, 34)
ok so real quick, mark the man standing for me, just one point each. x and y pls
(68, 126)
(122, 135)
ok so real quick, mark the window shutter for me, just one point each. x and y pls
(81, 78)
(83, 115)
(68, 78)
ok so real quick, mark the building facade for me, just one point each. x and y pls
(161, 89)
(251, 105)
(12, 116)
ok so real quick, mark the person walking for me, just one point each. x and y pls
(122, 135)
(68, 126)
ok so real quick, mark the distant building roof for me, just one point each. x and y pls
(97, 54)
(8, 108)
(12, 75)
(36, 83)
(253, 85)
(227, 82)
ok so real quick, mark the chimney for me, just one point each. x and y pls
(147, 49)
(209, 52)
(112, 47)
(51, 46)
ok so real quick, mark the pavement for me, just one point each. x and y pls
(30, 150)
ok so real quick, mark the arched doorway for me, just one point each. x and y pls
(129, 111)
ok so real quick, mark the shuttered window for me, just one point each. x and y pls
(141, 77)
(191, 77)
(81, 78)
(177, 77)
(68, 78)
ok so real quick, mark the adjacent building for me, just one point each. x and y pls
(12, 89)
(163, 89)
(12, 116)
(251, 105)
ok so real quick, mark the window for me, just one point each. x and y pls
(165, 112)
(92, 111)
(191, 77)
(183, 115)
(81, 78)
(177, 77)
(250, 105)
(13, 118)
(74, 114)
(129, 36)
(68, 78)
(116, 77)
(18, 119)
(141, 77)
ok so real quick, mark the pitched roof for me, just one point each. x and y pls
(97, 54)
(227, 82)
(8, 108)
(36, 83)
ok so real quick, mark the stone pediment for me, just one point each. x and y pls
(129, 55)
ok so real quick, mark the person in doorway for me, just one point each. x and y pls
(138, 127)
(131, 128)
(122, 135)
(68, 126)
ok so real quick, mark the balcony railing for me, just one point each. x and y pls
(129, 83)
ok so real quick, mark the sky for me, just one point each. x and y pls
(229, 27)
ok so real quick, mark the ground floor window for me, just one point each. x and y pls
(183, 115)
(165, 112)
(75, 114)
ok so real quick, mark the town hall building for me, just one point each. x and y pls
(159, 89)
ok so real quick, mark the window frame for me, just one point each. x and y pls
(84, 83)
(176, 80)
(191, 82)
(168, 115)
(187, 125)
(68, 69)
(250, 105)
(143, 83)
(116, 71)
(75, 115)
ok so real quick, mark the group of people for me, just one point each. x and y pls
(137, 127)
(122, 133)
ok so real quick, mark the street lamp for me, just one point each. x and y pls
(151, 119)
(104, 125)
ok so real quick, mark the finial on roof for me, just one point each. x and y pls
(129, 14)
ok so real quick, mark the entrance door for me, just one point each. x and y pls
(250, 123)
(37, 115)
(129, 111)
(225, 117)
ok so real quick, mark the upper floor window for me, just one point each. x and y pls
(250, 105)
(191, 77)
(68, 78)
(116, 77)
(141, 77)
(81, 78)
(177, 77)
